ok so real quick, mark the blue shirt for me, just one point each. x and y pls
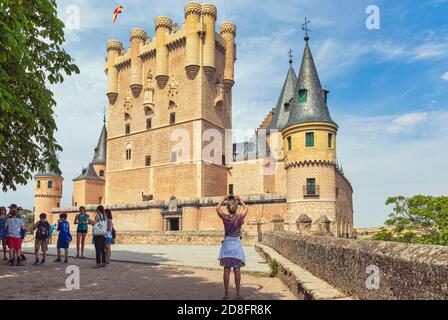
(64, 230)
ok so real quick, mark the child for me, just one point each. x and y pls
(64, 237)
(14, 227)
(42, 228)
(3, 234)
(52, 228)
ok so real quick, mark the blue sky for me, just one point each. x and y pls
(389, 87)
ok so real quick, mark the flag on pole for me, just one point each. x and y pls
(117, 11)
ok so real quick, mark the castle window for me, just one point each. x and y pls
(172, 117)
(337, 192)
(38, 183)
(230, 189)
(50, 184)
(127, 128)
(148, 161)
(101, 173)
(128, 153)
(303, 93)
(289, 143)
(127, 116)
(309, 139)
(148, 123)
(287, 106)
(173, 156)
(223, 159)
(76, 204)
(330, 140)
(311, 186)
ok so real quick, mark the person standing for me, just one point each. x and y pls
(3, 233)
(23, 231)
(52, 228)
(109, 235)
(64, 237)
(42, 228)
(82, 220)
(14, 227)
(231, 254)
(99, 231)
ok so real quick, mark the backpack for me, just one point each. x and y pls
(42, 231)
(100, 228)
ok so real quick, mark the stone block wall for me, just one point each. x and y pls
(406, 271)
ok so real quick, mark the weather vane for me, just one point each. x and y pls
(305, 28)
(290, 55)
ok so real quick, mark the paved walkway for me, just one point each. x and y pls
(124, 280)
(173, 255)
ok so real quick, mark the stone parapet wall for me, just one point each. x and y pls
(406, 271)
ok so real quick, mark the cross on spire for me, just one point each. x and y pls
(104, 115)
(305, 28)
(290, 55)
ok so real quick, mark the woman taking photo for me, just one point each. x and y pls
(110, 227)
(99, 236)
(82, 220)
(231, 254)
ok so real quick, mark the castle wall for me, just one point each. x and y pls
(344, 207)
(247, 177)
(46, 198)
(88, 192)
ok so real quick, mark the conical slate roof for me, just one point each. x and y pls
(88, 174)
(315, 108)
(281, 112)
(47, 172)
(99, 156)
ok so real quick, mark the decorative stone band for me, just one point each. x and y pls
(138, 33)
(47, 196)
(313, 163)
(192, 8)
(163, 22)
(189, 202)
(228, 27)
(209, 10)
(114, 45)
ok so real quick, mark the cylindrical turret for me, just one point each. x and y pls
(310, 170)
(138, 37)
(47, 194)
(228, 32)
(114, 48)
(209, 17)
(192, 20)
(163, 26)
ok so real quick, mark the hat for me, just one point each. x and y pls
(13, 206)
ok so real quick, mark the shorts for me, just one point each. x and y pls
(63, 244)
(3, 236)
(14, 243)
(81, 231)
(108, 241)
(41, 243)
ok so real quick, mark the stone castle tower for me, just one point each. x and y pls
(316, 190)
(163, 90)
(47, 193)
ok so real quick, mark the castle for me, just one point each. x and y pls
(176, 89)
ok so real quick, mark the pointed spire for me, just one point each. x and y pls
(88, 174)
(283, 107)
(101, 148)
(311, 105)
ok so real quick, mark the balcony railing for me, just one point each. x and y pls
(311, 191)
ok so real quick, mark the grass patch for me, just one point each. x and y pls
(273, 265)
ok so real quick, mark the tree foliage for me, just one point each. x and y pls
(418, 219)
(31, 58)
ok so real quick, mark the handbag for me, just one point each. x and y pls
(100, 228)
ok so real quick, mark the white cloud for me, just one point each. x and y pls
(445, 76)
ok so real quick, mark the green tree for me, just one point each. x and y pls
(31, 58)
(418, 219)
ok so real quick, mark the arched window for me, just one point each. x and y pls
(128, 152)
(172, 105)
(303, 93)
(127, 117)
